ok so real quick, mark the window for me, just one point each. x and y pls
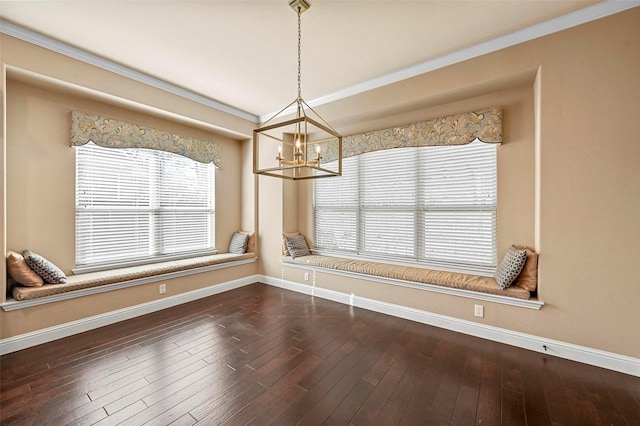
(435, 205)
(138, 205)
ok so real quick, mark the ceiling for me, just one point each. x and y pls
(243, 54)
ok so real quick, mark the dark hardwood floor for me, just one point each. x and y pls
(261, 355)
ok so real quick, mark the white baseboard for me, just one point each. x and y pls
(23, 341)
(622, 363)
(596, 357)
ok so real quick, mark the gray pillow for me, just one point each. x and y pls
(297, 246)
(510, 267)
(49, 272)
(239, 243)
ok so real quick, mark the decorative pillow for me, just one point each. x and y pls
(49, 272)
(238, 243)
(528, 278)
(12, 283)
(297, 246)
(20, 271)
(285, 250)
(251, 242)
(510, 267)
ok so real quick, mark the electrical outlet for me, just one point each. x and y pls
(478, 311)
(163, 288)
(306, 276)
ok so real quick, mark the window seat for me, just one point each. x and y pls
(473, 283)
(124, 275)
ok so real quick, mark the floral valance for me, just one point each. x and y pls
(111, 133)
(460, 129)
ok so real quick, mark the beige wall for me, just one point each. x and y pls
(570, 189)
(40, 175)
(516, 186)
(39, 317)
(583, 185)
(41, 170)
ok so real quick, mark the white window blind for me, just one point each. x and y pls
(337, 207)
(139, 205)
(435, 205)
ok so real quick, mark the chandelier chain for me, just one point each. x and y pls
(299, 54)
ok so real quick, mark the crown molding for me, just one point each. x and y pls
(573, 19)
(32, 37)
(579, 17)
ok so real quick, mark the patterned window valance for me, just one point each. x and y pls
(460, 129)
(111, 133)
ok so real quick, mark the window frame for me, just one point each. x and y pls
(157, 161)
(420, 210)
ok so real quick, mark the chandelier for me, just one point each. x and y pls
(304, 147)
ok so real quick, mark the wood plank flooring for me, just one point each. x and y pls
(261, 355)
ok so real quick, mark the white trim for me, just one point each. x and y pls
(95, 60)
(609, 360)
(612, 361)
(13, 305)
(505, 300)
(579, 17)
(23, 341)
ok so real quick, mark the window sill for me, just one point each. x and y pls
(12, 304)
(472, 294)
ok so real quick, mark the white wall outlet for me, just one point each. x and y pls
(163, 288)
(478, 311)
(306, 276)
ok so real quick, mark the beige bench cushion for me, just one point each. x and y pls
(409, 273)
(94, 279)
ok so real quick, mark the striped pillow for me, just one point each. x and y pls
(285, 250)
(238, 243)
(297, 246)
